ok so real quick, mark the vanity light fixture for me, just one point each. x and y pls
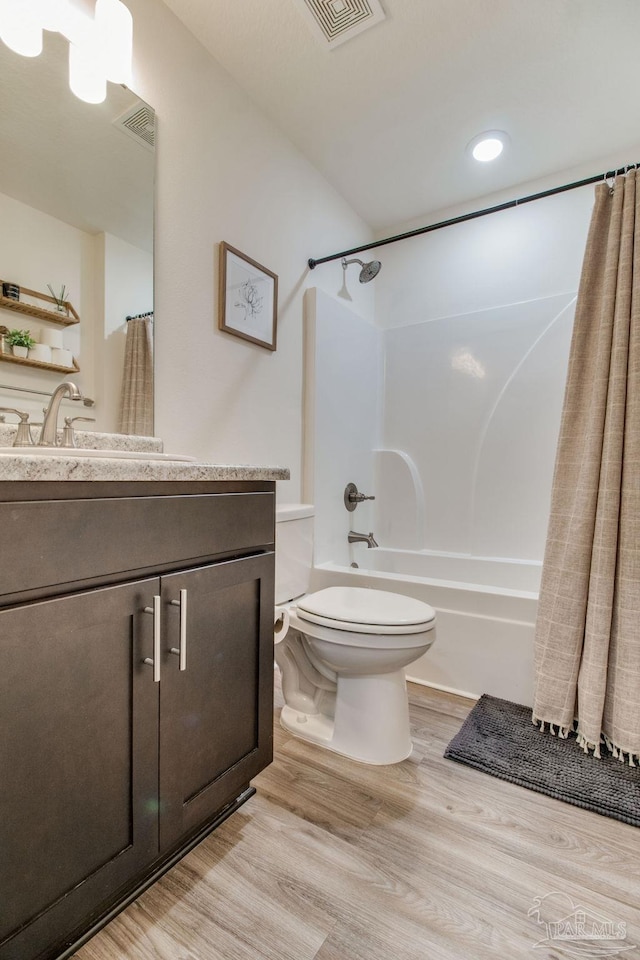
(114, 26)
(100, 46)
(488, 146)
(87, 76)
(20, 28)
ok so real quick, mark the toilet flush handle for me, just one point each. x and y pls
(352, 497)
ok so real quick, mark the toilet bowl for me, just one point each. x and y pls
(342, 659)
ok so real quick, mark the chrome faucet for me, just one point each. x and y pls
(352, 497)
(23, 436)
(362, 538)
(49, 433)
(68, 432)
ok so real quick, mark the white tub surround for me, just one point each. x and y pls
(343, 396)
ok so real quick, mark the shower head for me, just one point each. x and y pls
(369, 270)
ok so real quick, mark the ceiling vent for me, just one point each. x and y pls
(336, 21)
(139, 123)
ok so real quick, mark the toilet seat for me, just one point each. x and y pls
(356, 610)
(368, 641)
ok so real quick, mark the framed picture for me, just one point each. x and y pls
(248, 301)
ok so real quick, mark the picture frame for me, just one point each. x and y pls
(248, 298)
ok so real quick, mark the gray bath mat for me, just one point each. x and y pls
(499, 738)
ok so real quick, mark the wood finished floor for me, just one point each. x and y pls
(423, 860)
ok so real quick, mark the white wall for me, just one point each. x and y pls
(478, 321)
(224, 172)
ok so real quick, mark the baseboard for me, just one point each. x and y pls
(441, 686)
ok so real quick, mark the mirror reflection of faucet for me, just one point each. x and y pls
(362, 538)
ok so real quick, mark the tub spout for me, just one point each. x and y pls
(367, 538)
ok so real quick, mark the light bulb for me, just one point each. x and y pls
(488, 149)
(114, 25)
(100, 45)
(50, 13)
(488, 146)
(86, 72)
(75, 21)
(20, 27)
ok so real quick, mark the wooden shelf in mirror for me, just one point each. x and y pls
(41, 313)
(39, 365)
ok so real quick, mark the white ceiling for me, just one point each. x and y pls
(386, 116)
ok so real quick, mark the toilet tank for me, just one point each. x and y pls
(294, 550)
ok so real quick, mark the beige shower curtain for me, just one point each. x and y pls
(587, 645)
(136, 401)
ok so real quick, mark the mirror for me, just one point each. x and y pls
(76, 210)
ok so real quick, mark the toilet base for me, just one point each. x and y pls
(371, 722)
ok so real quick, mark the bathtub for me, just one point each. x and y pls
(486, 611)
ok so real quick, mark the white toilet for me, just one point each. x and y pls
(342, 660)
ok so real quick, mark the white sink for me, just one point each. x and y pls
(82, 453)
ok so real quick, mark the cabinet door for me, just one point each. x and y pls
(78, 761)
(216, 715)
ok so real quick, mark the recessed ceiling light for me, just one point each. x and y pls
(487, 146)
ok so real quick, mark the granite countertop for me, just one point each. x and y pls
(69, 468)
(28, 465)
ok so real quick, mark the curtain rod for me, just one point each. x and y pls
(609, 174)
(140, 316)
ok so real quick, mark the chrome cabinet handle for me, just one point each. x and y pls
(182, 650)
(155, 662)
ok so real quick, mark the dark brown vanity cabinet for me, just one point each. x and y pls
(133, 714)
(208, 743)
(78, 755)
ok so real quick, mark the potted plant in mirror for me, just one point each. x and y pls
(20, 341)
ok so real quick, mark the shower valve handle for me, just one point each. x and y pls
(352, 497)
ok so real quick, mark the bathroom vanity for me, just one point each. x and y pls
(136, 641)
